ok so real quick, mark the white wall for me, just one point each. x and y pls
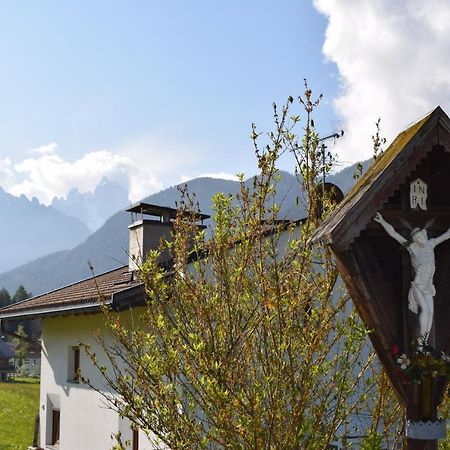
(86, 423)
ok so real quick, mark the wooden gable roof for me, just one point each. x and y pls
(373, 266)
(382, 179)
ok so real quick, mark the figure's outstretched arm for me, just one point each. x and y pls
(443, 237)
(390, 229)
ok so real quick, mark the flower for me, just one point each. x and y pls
(424, 363)
(394, 350)
(404, 361)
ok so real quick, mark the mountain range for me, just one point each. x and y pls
(93, 208)
(30, 230)
(106, 248)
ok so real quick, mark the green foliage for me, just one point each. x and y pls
(372, 441)
(377, 140)
(119, 443)
(21, 344)
(20, 294)
(32, 328)
(5, 298)
(358, 171)
(386, 427)
(247, 342)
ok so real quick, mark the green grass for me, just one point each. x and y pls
(27, 380)
(19, 404)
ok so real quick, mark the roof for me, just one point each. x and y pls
(381, 180)
(81, 297)
(159, 211)
(6, 351)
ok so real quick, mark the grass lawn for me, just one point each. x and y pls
(19, 405)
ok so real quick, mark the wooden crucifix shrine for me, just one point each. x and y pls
(391, 239)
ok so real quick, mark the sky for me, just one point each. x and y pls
(152, 93)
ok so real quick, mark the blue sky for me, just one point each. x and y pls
(151, 92)
(92, 74)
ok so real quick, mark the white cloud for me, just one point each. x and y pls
(48, 174)
(142, 166)
(221, 175)
(391, 58)
(6, 172)
(48, 149)
(162, 157)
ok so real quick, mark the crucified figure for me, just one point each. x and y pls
(422, 290)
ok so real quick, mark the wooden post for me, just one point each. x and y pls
(415, 444)
(423, 408)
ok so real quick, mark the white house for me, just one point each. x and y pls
(74, 416)
(31, 365)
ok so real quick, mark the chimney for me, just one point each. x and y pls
(146, 233)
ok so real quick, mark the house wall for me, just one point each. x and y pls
(31, 365)
(4, 362)
(85, 421)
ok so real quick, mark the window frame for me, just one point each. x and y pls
(73, 367)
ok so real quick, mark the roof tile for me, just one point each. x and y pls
(91, 290)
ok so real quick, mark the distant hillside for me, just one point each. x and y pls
(106, 248)
(344, 179)
(93, 208)
(29, 230)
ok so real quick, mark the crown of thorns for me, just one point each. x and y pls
(415, 230)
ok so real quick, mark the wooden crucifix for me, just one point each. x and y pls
(391, 239)
(422, 290)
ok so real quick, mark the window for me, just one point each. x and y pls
(55, 426)
(73, 372)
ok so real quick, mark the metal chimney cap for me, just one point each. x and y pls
(159, 211)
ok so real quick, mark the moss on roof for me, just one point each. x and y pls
(368, 180)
